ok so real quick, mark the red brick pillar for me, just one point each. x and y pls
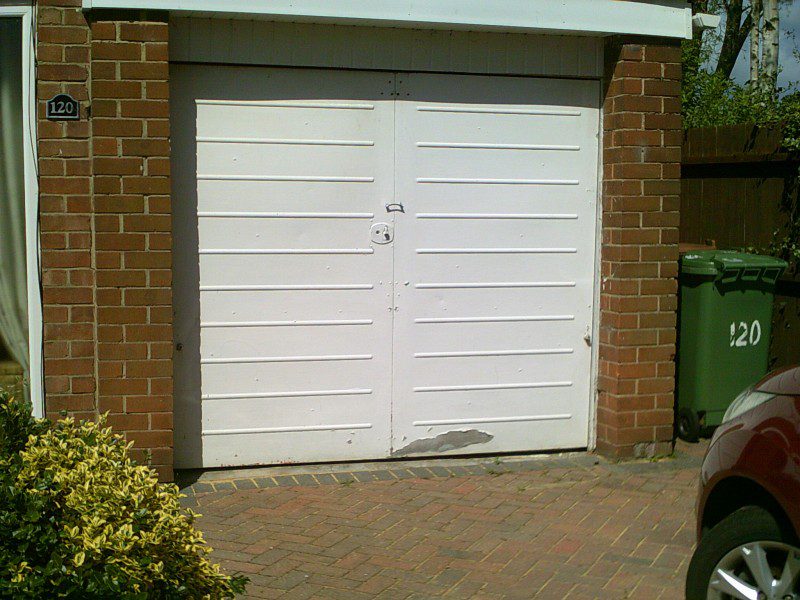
(65, 187)
(641, 187)
(133, 233)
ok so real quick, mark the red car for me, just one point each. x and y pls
(748, 510)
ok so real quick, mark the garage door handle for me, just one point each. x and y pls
(395, 207)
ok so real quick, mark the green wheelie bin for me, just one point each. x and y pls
(725, 325)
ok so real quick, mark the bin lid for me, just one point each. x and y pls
(716, 262)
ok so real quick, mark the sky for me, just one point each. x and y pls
(790, 22)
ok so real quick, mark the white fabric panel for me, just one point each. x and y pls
(13, 269)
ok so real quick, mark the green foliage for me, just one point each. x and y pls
(711, 100)
(786, 245)
(79, 519)
(790, 117)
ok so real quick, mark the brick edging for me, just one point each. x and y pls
(316, 475)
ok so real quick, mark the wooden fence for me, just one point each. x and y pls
(738, 188)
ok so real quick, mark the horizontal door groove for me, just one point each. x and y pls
(284, 141)
(318, 323)
(246, 251)
(522, 418)
(280, 359)
(501, 111)
(285, 288)
(298, 428)
(493, 386)
(293, 178)
(282, 215)
(543, 216)
(298, 394)
(493, 181)
(279, 104)
(532, 318)
(478, 146)
(543, 351)
(496, 250)
(496, 284)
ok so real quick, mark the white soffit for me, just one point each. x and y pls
(664, 18)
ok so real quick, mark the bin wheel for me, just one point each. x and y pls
(688, 425)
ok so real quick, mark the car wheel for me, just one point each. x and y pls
(688, 425)
(745, 556)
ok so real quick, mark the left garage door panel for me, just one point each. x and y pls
(278, 177)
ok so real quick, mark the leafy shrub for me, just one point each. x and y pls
(709, 99)
(79, 519)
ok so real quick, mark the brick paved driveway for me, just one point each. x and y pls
(570, 526)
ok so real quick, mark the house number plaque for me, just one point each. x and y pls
(63, 107)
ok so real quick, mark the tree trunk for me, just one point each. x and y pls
(736, 33)
(769, 49)
(755, 42)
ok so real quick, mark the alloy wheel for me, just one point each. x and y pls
(757, 571)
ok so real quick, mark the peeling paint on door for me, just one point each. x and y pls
(451, 440)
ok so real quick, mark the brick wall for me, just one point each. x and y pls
(133, 241)
(641, 188)
(66, 207)
(106, 232)
(106, 224)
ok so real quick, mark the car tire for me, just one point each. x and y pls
(744, 526)
(688, 425)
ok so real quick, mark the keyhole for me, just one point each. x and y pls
(386, 235)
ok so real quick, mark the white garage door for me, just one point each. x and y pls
(371, 265)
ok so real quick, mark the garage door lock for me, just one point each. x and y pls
(381, 233)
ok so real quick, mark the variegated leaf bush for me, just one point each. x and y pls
(80, 519)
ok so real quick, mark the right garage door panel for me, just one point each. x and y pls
(494, 263)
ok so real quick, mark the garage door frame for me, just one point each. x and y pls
(319, 46)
